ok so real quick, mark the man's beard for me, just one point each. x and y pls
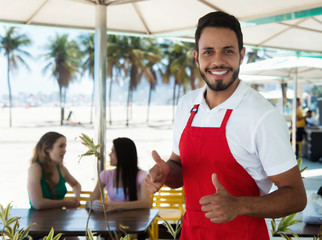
(219, 85)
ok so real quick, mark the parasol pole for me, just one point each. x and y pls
(100, 60)
(294, 112)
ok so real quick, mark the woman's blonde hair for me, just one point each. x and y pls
(41, 155)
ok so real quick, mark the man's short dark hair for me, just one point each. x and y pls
(219, 19)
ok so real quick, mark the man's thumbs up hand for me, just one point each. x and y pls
(216, 183)
(221, 206)
(157, 174)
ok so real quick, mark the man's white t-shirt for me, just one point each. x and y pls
(256, 132)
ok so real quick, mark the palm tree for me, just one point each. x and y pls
(87, 43)
(133, 58)
(63, 61)
(152, 58)
(252, 56)
(181, 66)
(12, 43)
(114, 57)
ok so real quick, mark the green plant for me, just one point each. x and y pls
(284, 225)
(51, 235)
(299, 163)
(173, 232)
(127, 236)
(90, 235)
(10, 229)
(94, 150)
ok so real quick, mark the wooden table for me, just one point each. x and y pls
(305, 230)
(72, 222)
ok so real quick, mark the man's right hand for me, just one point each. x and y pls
(157, 174)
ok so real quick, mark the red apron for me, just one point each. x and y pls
(205, 151)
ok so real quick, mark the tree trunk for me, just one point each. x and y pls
(149, 102)
(61, 106)
(92, 102)
(110, 100)
(64, 101)
(9, 90)
(128, 105)
(174, 99)
(284, 97)
(178, 94)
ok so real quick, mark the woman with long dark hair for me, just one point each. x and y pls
(125, 183)
(47, 176)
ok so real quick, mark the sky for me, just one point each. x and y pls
(34, 80)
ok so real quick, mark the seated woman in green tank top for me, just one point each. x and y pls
(47, 176)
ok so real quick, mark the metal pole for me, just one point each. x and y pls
(294, 112)
(100, 60)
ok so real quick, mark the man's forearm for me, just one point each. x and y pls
(174, 179)
(279, 203)
(290, 197)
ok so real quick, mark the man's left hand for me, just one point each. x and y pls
(221, 206)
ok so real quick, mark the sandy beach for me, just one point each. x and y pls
(29, 124)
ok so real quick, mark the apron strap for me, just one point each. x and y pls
(193, 112)
(226, 117)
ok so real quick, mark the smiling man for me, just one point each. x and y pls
(230, 145)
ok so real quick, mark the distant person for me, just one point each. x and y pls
(47, 176)
(310, 120)
(300, 121)
(70, 121)
(124, 184)
(300, 125)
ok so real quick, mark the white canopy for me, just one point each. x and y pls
(287, 69)
(287, 24)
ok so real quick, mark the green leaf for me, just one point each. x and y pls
(178, 230)
(126, 237)
(299, 162)
(86, 139)
(289, 220)
(50, 235)
(178, 224)
(16, 236)
(280, 224)
(6, 212)
(283, 235)
(303, 169)
(24, 233)
(295, 235)
(124, 227)
(273, 225)
(57, 236)
(88, 142)
(90, 234)
(12, 220)
(169, 227)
